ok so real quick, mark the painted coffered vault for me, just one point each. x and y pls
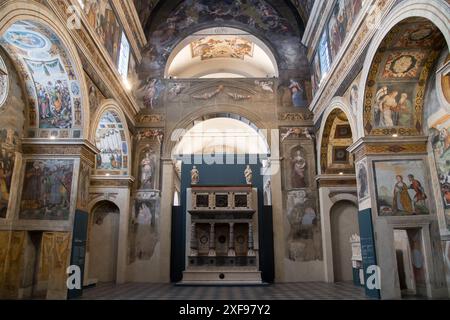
(394, 98)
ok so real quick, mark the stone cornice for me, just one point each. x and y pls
(96, 55)
(112, 181)
(352, 49)
(336, 180)
(61, 147)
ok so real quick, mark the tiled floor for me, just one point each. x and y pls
(285, 291)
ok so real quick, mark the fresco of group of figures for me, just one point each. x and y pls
(53, 88)
(401, 188)
(343, 15)
(102, 18)
(110, 139)
(47, 189)
(8, 146)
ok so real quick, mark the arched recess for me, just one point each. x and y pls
(344, 224)
(221, 53)
(103, 241)
(111, 136)
(383, 68)
(39, 43)
(218, 111)
(335, 136)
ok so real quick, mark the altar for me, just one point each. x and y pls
(222, 236)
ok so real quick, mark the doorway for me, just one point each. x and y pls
(410, 262)
(344, 224)
(103, 242)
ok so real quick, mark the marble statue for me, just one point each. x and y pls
(146, 171)
(248, 173)
(195, 175)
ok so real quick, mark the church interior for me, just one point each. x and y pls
(250, 143)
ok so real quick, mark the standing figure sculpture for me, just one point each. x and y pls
(248, 173)
(146, 171)
(298, 171)
(195, 175)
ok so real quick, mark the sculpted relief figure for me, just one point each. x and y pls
(248, 173)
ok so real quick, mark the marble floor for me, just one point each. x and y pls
(284, 291)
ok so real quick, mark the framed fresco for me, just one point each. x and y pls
(47, 190)
(401, 188)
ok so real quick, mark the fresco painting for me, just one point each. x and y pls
(8, 146)
(393, 106)
(401, 188)
(440, 141)
(111, 141)
(221, 47)
(54, 91)
(53, 95)
(47, 189)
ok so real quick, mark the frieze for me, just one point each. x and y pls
(386, 149)
(151, 134)
(295, 116)
(150, 118)
(60, 149)
(111, 183)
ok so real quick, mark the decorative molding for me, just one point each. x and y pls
(84, 150)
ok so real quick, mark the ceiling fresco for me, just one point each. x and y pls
(146, 7)
(395, 88)
(221, 47)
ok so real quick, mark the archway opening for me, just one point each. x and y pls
(103, 242)
(221, 53)
(344, 224)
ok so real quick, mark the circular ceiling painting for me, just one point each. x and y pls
(4, 83)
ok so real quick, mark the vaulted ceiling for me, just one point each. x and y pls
(145, 8)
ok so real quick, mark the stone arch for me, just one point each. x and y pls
(338, 106)
(112, 107)
(18, 12)
(261, 43)
(436, 13)
(170, 141)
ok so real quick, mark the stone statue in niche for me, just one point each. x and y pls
(195, 175)
(248, 173)
(304, 239)
(147, 170)
(298, 170)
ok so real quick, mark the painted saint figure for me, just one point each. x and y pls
(298, 170)
(146, 171)
(402, 200)
(420, 195)
(297, 94)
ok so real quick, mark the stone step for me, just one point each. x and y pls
(238, 277)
